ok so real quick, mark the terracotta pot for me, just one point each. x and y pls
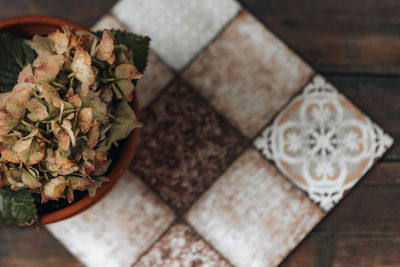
(27, 26)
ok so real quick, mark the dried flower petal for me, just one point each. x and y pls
(85, 119)
(41, 44)
(79, 183)
(14, 178)
(54, 189)
(67, 126)
(29, 180)
(127, 88)
(82, 67)
(25, 74)
(127, 71)
(106, 46)
(61, 42)
(94, 134)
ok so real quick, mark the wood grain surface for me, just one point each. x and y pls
(356, 46)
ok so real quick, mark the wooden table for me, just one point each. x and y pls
(356, 46)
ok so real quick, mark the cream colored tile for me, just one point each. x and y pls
(117, 229)
(182, 247)
(323, 143)
(156, 76)
(179, 28)
(252, 214)
(248, 74)
(108, 22)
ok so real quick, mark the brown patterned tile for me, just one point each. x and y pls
(117, 229)
(157, 74)
(184, 146)
(248, 74)
(181, 246)
(252, 214)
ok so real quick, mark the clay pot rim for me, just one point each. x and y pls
(124, 159)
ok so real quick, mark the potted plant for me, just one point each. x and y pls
(68, 116)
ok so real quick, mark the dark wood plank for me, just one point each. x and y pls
(83, 12)
(379, 98)
(363, 230)
(321, 250)
(28, 247)
(340, 35)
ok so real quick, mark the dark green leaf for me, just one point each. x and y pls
(15, 54)
(124, 123)
(17, 207)
(138, 44)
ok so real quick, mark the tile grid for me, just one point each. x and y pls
(195, 235)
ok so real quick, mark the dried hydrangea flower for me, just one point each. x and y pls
(69, 107)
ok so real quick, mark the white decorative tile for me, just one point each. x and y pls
(252, 214)
(179, 28)
(248, 74)
(118, 229)
(156, 76)
(323, 143)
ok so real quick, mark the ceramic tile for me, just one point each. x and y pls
(184, 146)
(181, 246)
(157, 74)
(248, 74)
(117, 229)
(179, 28)
(323, 143)
(108, 22)
(156, 77)
(252, 214)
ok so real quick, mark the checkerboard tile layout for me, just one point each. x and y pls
(195, 151)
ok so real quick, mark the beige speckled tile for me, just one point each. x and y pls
(252, 214)
(248, 74)
(182, 247)
(156, 77)
(117, 229)
(108, 22)
(157, 74)
(179, 28)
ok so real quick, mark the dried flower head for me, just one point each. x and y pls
(68, 108)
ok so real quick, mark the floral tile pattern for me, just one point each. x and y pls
(247, 74)
(184, 146)
(323, 143)
(252, 214)
(111, 233)
(179, 28)
(181, 246)
(157, 74)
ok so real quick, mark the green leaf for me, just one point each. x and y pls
(17, 207)
(15, 54)
(124, 123)
(138, 44)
